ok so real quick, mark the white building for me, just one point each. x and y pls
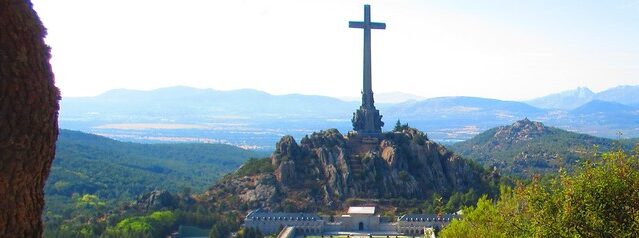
(358, 220)
(415, 224)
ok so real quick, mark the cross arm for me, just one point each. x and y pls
(378, 25)
(355, 24)
(372, 25)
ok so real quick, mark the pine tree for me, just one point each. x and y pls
(398, 126)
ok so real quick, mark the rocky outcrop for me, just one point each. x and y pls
(405, 165)
(526, 148)
(156, 200)
(257, 191)
(326, 168)
(520, 131)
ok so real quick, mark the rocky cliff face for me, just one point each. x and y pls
(326, 168)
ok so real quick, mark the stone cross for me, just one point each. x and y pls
(367, 25)
(366, 120)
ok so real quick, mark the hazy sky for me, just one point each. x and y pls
(499, 49)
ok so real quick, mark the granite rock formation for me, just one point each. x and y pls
(523, 130)
(527, 147)
(327, 168)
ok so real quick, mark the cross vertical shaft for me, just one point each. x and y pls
(368, 74)
(367, 25)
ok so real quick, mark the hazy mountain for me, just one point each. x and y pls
(565, 100)
(239, 117)
(527, 147)
(254, 118)
(459, 112)
(449, 106)
(257, 119)
(575, 98)
(192, 103)
(615, 117)
(604, 108)
(621, 94)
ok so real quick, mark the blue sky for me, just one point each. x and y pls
(511, 50)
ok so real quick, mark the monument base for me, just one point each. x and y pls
(365, 138)
(367, 121)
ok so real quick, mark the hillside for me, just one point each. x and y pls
(528, 147)
(326, 171)
(118, 172)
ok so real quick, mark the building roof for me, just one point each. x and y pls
(270, 216)
(361, 210)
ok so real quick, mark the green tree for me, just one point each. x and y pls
(249, 233)
(90, 201)
(220, 230)
(399, 127)
(157, 224)
(438, 203)
(601, 199)
(483, 220)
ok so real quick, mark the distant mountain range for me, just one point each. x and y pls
(459, 111)
(565, 100)
(200, 104)
(572, 99)
(256, 119)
